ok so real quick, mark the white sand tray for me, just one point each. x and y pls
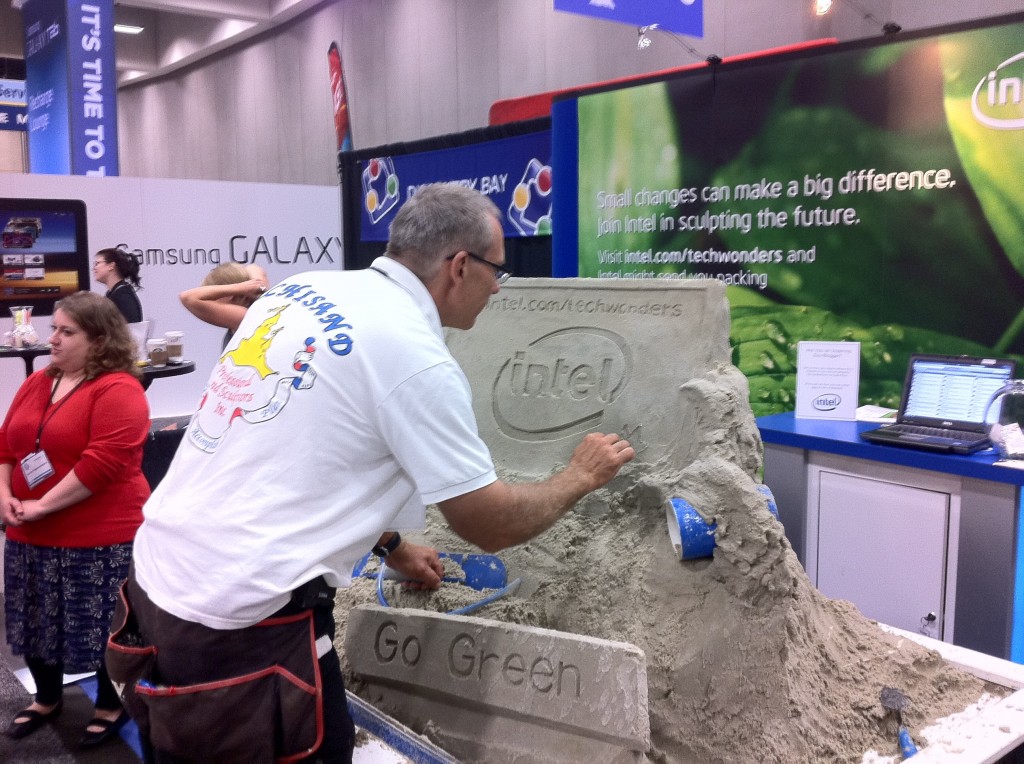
(982, 733)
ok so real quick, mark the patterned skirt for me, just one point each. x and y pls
(59, 601)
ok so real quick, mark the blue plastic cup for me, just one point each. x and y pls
(691, 535)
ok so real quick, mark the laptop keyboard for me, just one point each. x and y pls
(938, 432)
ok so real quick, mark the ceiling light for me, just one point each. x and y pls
(127, 29)
(821, 7)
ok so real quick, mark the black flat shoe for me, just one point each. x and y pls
(110, 728)
(33, 720)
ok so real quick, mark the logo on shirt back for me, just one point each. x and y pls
(560, 384)
(246, 385)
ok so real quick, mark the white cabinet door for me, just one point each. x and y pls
(883, 547)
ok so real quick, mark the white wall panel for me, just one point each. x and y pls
(218, 98)
(308, 152)
(201, 150)
(522, 49)
(440, 55)
(362, 35)
(480, 68)
(261, 111)
(403, 62)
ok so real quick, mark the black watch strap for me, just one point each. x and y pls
(389, 546)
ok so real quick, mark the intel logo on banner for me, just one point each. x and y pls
(998, 99)
(680, 16)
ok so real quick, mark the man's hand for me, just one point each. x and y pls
(501, 514)
(419, 566)
(599, 457)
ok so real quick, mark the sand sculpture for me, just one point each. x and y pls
(746, 660)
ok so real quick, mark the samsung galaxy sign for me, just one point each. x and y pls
(999, 97)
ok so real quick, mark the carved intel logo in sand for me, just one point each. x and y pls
(561, 384)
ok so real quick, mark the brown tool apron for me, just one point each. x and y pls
(261, 698)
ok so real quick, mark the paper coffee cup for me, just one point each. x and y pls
(175, 347)
(157, 352)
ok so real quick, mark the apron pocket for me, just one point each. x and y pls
(244, 718)
(128, 659)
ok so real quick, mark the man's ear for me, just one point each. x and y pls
(457, 267)
(446, 288)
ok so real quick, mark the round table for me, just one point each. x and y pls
(27, 354)
(149, 373)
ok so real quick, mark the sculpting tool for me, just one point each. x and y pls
(894, 700)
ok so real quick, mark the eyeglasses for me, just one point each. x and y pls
(501, 273)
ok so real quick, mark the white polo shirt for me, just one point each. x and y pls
(335, 406)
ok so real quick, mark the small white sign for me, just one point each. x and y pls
(827, 380)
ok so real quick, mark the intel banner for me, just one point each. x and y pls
(13, 115)
(868, 193)
(71, 87)
(514, 172)
(680, 16)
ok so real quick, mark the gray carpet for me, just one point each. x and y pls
(58, 741)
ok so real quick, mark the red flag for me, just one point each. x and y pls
(341, 122)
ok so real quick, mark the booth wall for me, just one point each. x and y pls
(182, 229)
(261, 111)
(758, 175)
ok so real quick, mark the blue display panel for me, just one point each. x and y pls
(681, 16)
(71, 87)
(514, 172)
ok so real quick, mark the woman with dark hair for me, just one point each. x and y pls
(118, 271)
(71, 494)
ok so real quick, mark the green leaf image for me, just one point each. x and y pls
(764, 347)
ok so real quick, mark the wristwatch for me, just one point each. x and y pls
(389, 546)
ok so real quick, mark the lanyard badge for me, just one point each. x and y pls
(36, 468)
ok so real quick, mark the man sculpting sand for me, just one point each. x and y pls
(746, 660)
(335, 409)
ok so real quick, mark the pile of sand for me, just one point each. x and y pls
(746, 660)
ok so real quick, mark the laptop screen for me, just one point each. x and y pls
(952, 390)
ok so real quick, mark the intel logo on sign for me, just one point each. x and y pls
(827, 402)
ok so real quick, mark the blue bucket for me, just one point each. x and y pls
(691, 535)
(767, 493)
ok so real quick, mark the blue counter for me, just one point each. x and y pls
(989, 602)
(843, 438)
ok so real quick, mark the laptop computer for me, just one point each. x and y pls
(943, 403)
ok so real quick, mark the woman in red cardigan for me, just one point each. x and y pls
(71, 495)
